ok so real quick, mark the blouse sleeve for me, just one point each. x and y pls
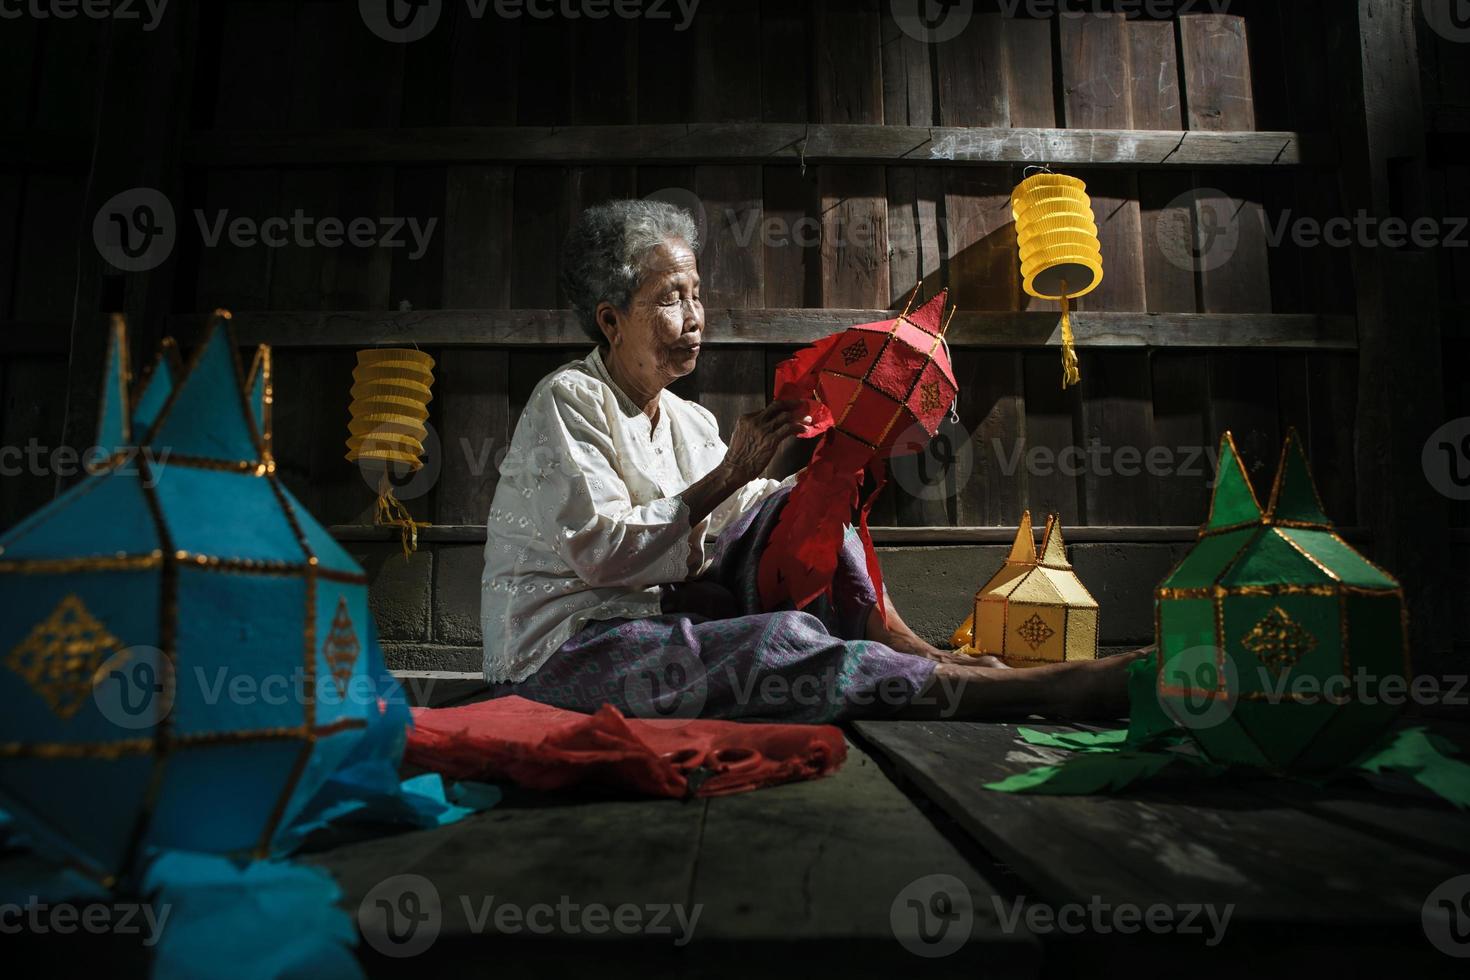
(583, 509)
(743, 499)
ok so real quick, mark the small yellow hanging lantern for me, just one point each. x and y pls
(390, 403)
(1061, 257)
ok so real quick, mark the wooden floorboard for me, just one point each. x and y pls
(1274, 862)
(814, 866)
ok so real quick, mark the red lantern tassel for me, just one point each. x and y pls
(800, 557)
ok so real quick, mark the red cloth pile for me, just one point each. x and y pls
(546, 748)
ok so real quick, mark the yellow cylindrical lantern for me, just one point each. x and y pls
(391, 391)
(1061, 257)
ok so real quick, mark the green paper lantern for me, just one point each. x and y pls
(1280, 646)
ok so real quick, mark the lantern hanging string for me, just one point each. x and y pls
(391, 512)
(1070, 373)
(954, 415)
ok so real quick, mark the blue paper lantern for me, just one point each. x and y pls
(186, 654)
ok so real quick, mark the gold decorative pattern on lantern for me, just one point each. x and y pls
(855, 351)
(1279, 641)
(929, 400)
(1035, 631)
(341, 647)
(1061, 257)
(62, 655)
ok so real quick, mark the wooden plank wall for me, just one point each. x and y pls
(1445, 64)
(48, 72)
(845, 236)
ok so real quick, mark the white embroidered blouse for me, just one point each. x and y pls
(586, 523)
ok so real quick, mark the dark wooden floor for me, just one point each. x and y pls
(806, 875)
(899, 864)
(824, 875)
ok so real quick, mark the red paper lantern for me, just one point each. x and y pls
(874, 391)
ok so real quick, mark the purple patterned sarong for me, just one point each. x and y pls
(714, 654)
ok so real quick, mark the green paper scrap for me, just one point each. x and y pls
(1087, 773)
(1425, 758)
(1112, 760)
(1078, 741)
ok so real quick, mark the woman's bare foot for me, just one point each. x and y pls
(897, 634)
(1084, 689)
(1094, 688)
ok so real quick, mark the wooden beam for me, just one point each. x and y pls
(539, 328)
(792, 143)
(888, 536)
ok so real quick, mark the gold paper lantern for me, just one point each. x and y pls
(391, 391)
(1061, 257)
(1035, 610)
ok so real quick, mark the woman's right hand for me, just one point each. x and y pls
(758, 435)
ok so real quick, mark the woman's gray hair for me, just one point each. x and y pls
(602, 259)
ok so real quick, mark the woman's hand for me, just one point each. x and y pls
(758, 436)
(755, 440)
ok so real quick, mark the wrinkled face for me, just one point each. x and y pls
(658, 337)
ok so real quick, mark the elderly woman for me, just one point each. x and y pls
(598, 585)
